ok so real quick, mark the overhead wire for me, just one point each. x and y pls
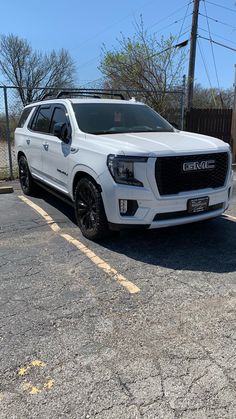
(170, 24)
(185, 17)
(112, 24)
(121, 20)
(218, 21)
(217, 43)
(162, 29)
(218, 36)
(206, 70)
(213, 54)
(180, 32)
(220, 5)
(170, 15)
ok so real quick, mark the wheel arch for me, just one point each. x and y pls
(19, 154)
(80, 174)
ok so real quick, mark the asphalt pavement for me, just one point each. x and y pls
(139, 326)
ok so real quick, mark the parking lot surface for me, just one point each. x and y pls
(139, 326)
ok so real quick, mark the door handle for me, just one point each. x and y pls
(45, 145)
(74, 149)
(28, 141)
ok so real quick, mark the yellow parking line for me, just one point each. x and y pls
(100, 263)
(55, 227)
(230, 217)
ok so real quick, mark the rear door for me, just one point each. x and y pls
(55, 156)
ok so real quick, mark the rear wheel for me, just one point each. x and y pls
(89, 210)
(28, 185)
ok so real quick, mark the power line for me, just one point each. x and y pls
(212, 50)
(185, 17)
(180, 32)
(170, 15)
(186, 30)
(219, 5)
(121, 20)
(218, 36)
(88, 62)
(206, 70)
(92, 82)
(111, 25)
(217, 43)
(162, 29)
(170, 24)
(218, 21)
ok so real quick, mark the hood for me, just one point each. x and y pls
(159, 143)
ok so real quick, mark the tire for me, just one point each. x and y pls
(89, 210)
(27, 183)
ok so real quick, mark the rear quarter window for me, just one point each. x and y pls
(41, 120)
(24, 117)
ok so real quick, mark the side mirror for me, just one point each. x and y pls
(62, 131)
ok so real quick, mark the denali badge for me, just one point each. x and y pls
(193, 166)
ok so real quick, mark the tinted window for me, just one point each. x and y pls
(24, 116)
(59, 116)
(42, 120)
(103, 118)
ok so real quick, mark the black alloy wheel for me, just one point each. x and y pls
(27, 183)
(89, 210)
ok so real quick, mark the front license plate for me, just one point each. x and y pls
(198, 204)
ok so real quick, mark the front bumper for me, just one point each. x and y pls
(150, 205)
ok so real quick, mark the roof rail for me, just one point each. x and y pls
(89, 93)
(48, 94)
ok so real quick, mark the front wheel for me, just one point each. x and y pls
(26, 181)
(89, 210)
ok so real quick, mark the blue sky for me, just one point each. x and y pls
(83, 26)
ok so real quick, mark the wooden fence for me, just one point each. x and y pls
(214, 122)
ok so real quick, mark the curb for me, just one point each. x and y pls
(6, 189)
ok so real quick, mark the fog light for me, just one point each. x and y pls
(123, 206)
(128, 207)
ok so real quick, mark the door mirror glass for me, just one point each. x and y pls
(61, 130)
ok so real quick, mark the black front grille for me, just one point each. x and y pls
(172, 179)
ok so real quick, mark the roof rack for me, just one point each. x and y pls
(49, 95)
(89, 93)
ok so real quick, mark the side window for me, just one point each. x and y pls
(59, 116)
(33, 117)
(23, 117)
(41, 122)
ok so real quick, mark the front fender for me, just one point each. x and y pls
(81, 168)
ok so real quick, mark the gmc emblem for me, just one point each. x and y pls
(193, 166)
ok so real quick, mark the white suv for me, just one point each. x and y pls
(121, 164)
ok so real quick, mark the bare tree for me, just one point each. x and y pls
(144, 63)
(212, 98)
(27, 69)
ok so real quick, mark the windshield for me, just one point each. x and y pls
(109, 118)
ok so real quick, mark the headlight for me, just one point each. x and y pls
(122, 168)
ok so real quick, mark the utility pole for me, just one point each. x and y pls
(192, 56)
(233, 127)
